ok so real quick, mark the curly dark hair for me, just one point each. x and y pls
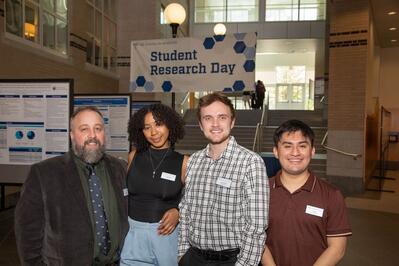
(162, 114)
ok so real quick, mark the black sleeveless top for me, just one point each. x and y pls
(150, 197)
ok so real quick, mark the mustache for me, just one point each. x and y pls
(91, 141)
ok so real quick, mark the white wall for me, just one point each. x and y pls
(389, 91)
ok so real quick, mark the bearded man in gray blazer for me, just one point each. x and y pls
(57, 218)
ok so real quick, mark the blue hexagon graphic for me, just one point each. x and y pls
(132, 86)
(249, 66)
(249, 40)
(140, 81)
(219, 38)
(250, 53)
(239, 47)
(239, 36)
(238, 85)
(227, 90)
(209, 43)
(167, 86)
(149, 86)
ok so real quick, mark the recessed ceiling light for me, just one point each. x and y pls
(392, 13)
(393, 40)
(392, 29)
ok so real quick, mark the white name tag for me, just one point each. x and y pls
(125, 192)
(168, 176)
(314, 211)
(223, 182)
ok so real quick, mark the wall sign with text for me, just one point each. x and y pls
(218, 63)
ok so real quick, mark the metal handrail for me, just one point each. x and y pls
(354, 155)
(259, 127)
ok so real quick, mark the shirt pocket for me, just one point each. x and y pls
(224, 204)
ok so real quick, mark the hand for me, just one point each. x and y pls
(168, 222)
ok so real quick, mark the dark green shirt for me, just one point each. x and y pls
(111, 209)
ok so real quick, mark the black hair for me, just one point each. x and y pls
(162, 114)
(291, 126)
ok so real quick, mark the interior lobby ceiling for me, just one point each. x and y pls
(384, 22)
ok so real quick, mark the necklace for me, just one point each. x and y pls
(159, 164)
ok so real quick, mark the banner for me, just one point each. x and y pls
(218, 63)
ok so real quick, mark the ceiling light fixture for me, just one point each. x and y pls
(394, 40)
(392, 29)
(392, 13)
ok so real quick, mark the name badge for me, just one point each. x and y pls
(314, 211)
(223, 182)
(125, 192)
(168, 176)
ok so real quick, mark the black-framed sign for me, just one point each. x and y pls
(34, 123)
(115, 109)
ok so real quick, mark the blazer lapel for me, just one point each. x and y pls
(74, 184)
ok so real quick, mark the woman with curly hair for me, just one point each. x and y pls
(155, 180)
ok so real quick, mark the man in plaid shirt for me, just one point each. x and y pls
(224, 211)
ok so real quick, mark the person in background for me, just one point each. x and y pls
(308, 220)
(246, 98)
(155, 180)
(260, 94)
(224, 210)
(72, 209)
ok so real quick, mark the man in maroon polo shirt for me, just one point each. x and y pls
(308, 223)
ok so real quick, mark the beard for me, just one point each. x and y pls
(87, 155)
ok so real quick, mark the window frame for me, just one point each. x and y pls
(39, 44)
(107, 48)
(226, 10)
(296, 10)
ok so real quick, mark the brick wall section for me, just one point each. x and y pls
(349, 24)
(347, 103)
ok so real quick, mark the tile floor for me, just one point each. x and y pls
(374, 217)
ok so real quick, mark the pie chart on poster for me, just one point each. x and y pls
(19, 134)
(30, 135)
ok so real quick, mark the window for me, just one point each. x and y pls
(44, 22)
(101, 45)
(290, 74)
(162, 19)
(294, 10)
(209, 11)
(282, 93)
(297, 93)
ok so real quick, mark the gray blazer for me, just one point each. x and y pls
(52, 221)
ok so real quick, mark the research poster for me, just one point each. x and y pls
(34, 120)
(116, 112)
(137, 105)
(214, 63)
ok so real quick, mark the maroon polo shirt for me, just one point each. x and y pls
(299, 223)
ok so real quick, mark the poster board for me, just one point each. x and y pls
(115, 109)
(34, 123)
(137, 105)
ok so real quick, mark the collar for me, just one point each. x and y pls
(308, 186)
(228, 151)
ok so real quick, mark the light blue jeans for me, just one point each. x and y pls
(143, 246)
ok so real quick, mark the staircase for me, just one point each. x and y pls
(245, 128)
(312, 118)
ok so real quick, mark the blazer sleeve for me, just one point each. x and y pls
(29, 220)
